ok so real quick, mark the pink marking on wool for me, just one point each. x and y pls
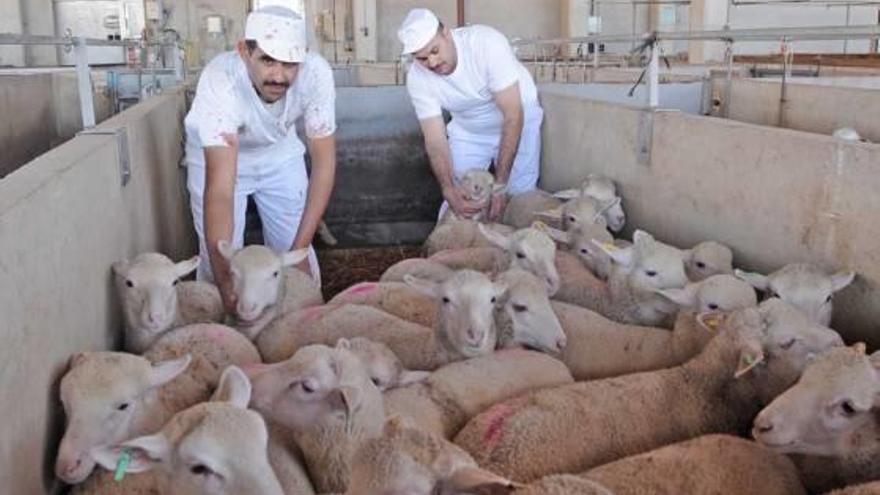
(498, 415)
(314, 313)
(359, 289)
(253, 368)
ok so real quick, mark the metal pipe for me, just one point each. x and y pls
(654, 77)
(33, 39)
(84, 83)
(459, 11)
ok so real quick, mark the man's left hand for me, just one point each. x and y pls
(496, 208)
(304, 267)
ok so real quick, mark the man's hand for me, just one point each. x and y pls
(496, 207)
(304, 267)
(227, 295)
(459, 202)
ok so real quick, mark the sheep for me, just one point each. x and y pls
(325, 398)
(457, 233)
(325, 234)
(456, 392)
(479, 186)
(109, 396)
(154, 300)
(629, 296)
(404, 459)
(603, 190)
(829, 419)
(580, 241)
(706, 464)
(266, 285)
(706, 259)
(217, 447)
(383, 366)
(422, 268)
(575, 427)
(804, 285)
(522, 209)
(465, 326)
(523, 316)
(599, 348)
(872, 488)
(579, 212)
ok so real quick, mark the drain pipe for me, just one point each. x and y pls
(459, 9)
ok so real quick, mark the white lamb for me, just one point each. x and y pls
(803, 285)
(479, 186)
(603, 190)
(154, 300)
(267, 286)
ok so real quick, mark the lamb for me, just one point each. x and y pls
(579, 212)
(829, 419)
(395, 298)
(603, 190)
(465, 325)
(599, 348)
(575, 427)
(457, 233)
(706, 464)
(267, 286)
(479, 186)
(872, 488)
(140, 396)
(217, 447)
(404, 459)
(154, 300)
(522, 209)
(629, 296)
(423, 268)
(707, 259)
(580, 241)
(450, 396)
(325, 398)
(383, 366)
(804, 285)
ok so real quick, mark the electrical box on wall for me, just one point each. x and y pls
(297, 6)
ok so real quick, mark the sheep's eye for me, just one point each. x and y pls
(201, 470)
(828, 299)
(377, 382)
(494, 299)
(122, 407)
(305, 386)
(445, 300)
(129, 283)
(519, 308)
(176, 281)
(275, 275)
(584, 251)
(651, 273)
(520, 255)
(701, 265)
(787, 344)
(847, 408)
(572, 219)
(713, 307)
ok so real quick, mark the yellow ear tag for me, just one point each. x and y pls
(610, 246)
(712, 322)
(537, 224)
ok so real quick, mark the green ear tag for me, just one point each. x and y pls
(122, 464)
(748, 359)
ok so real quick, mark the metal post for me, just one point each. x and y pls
(846, 41)
(84, 83)
(177, 54)
(728, 83)
(654, 76)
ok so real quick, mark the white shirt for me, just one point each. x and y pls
(226, 102)
(486, 65)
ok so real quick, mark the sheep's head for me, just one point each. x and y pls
(649, 265)
(831, 402)
(103, 394)
(147, 289)
(257, 276)
(603, 190)
(383, 366)
(527, 307)
(216, 447)
(317, 385)
(716, 293)
(407, 460)
(804, 285)
(580, 241)
(479, 185)
(707, 259)
(531, 250)
(466, 312)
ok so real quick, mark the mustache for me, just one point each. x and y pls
(276, 84)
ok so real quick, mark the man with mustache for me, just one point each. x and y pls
(496, 119)
(241, 140)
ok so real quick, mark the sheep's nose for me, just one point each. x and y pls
(763, 425)
(561, 343)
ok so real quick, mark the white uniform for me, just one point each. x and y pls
(486, 64)
(271, 163)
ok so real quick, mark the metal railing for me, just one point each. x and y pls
(650, 41)
(83, 70)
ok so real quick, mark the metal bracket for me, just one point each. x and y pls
(122, 151)
(644, 136)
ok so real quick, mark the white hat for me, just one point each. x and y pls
(279, 32)
(417, 30)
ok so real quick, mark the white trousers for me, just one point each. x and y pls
(470, 151)
(280, 193)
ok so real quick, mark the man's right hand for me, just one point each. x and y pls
(227, 294)
(459, 203)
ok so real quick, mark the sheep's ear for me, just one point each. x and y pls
(225, 248)
(686, 297)
(499, 240)
(611, 203)
(475, 480)
(144, 453)
(756, 280)
(165, 371)
(77, 359)
(643, 239)
(500, 290)
(343, 343)
(186, 267)
(567, 194)
(121, 268)
(408, 377)
(621, 256)
(291, 258)
(427, 287)
(234, 388)
(557, 235)
(712, 321)
(841, 279)
(553, 214)
(750, 356)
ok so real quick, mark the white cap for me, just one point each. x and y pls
(417, 30)
(279, 32)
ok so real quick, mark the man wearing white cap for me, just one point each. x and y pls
(241, 140)
(473, 73)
